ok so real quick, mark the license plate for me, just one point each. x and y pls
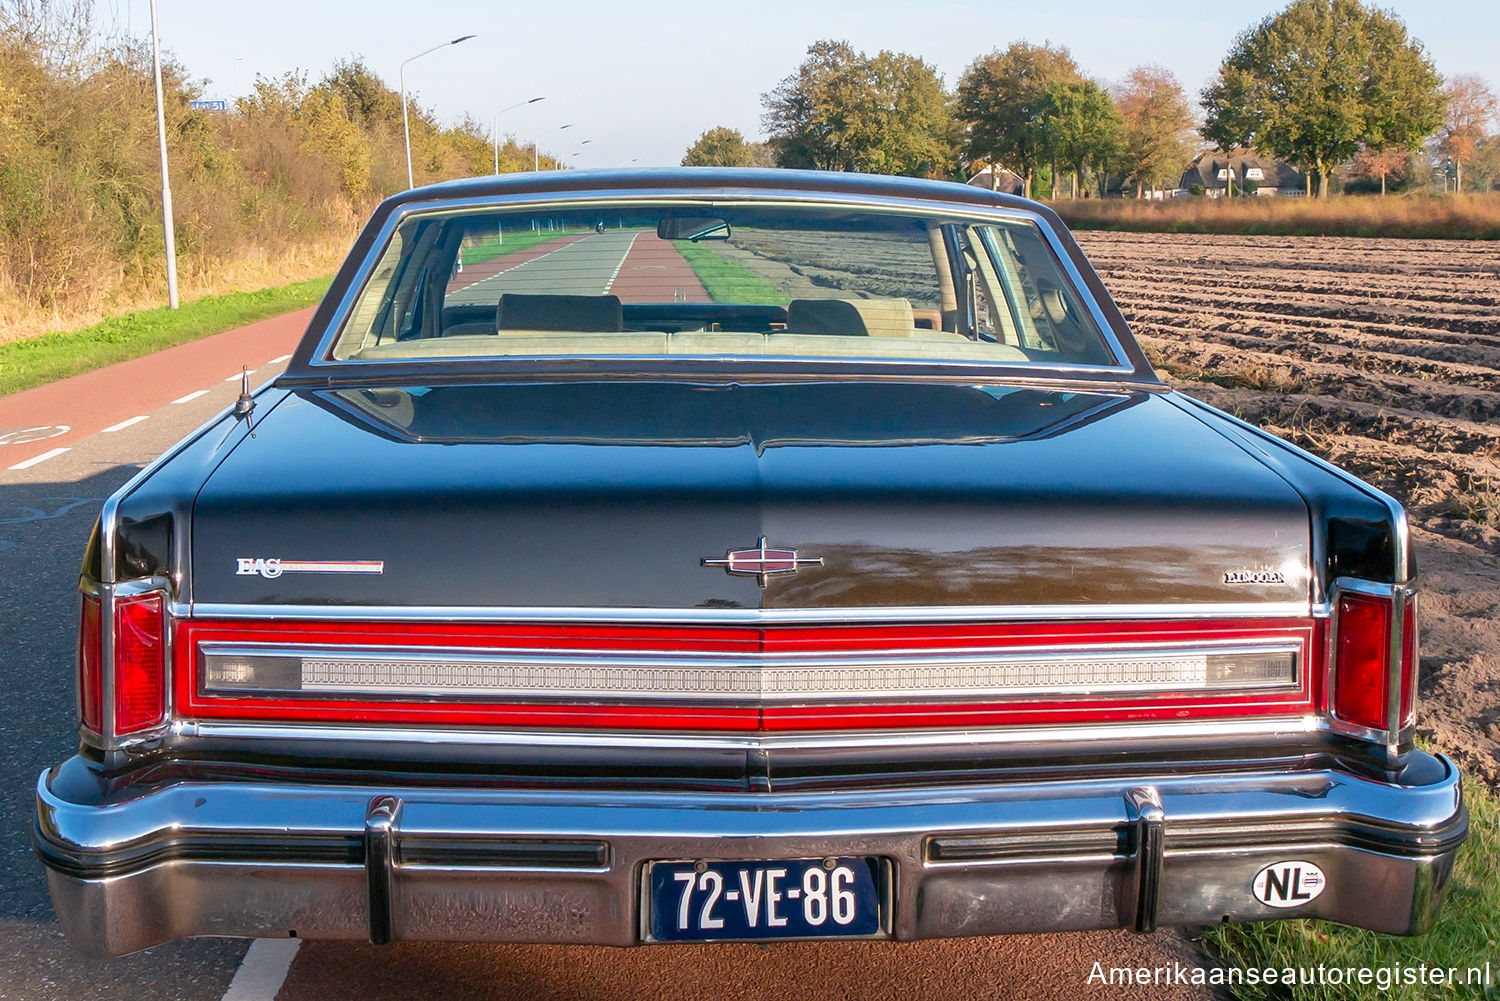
(787, 898)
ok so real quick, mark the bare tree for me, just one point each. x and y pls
(1471, 111)
(59, 30)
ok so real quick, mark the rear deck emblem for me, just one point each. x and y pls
(249, 566)
(762, 562)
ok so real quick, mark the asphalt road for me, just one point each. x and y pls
(118, 420)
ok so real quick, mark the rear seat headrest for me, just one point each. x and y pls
(851, 317)
(588, 313)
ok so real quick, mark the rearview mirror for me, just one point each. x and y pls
(693, 228)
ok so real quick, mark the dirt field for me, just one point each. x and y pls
(1382, 356)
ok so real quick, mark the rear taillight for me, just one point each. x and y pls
(90, 665)
(138, 664)
(1373, 628)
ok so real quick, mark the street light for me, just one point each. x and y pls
(405, 124)
(166, 187)
(495, 128)
(534, 167)
(578, 152)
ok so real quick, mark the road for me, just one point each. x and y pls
(116, 420)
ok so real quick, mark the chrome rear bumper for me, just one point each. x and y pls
(132, 869)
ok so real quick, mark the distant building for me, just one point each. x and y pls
(1009, 182)
(1261, 176)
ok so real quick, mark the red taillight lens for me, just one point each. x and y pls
(140, 664)
(1362, 660)
(90, 665)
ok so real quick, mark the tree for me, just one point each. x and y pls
(1319, 81)
(1082, 128)
(1381, 163)
(1000, 102)
(1158, 127)
(718, 147)
(843, 110)
(1471, 109)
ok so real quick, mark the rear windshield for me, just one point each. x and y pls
(720, 281)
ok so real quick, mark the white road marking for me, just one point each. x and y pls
(124, 424)
(278, 361)
(611, 283)
(193, 396)
(264, 970)
(239, 375)
(37, 459)
(26, 436)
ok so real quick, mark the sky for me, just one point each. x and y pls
(641, 80)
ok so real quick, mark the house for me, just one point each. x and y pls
(1009, 182)
(1253, 174)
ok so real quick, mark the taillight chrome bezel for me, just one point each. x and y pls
(109, 597)
(1402, 599)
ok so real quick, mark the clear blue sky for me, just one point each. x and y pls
(641, 80)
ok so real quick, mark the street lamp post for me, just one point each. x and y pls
(495, 128)
(534, 160)
(166, 187)
(579, 151)
(405, 123)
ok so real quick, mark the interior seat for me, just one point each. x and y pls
(851, 317)
(586, 313)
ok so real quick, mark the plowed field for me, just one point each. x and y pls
(1381, 356)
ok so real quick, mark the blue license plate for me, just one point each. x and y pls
(787, 898)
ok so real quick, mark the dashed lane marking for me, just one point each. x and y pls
(278, 361)
(127, 422)
(263, 970)
(193, 395)
(38, 459)
(239, 375)
(620, 264)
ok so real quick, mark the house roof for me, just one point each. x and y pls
(1206, 165)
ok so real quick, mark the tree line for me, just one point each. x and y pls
(1325, 85)
(285, 174)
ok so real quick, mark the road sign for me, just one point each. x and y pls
(209, 105)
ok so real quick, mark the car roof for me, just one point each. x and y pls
(711, 180)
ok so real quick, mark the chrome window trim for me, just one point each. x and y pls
(994, 614)
(606, 659)
(321, 356)
(1298, 724)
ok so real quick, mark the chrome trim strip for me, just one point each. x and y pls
(760, 678)
(1017, 735)
(757, 616)
(684, 197)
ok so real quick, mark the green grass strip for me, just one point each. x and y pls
(727, 280)
(1466, 934)
(38, 360)
(521, 239)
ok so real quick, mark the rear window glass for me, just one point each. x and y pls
(717, 281)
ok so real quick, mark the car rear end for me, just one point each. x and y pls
(742, 653)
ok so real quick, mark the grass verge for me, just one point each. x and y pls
(38, 360)
(727, 280)
(1466, 935)
(1430, 217)
(515, 240)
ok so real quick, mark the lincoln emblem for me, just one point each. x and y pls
(762, 562)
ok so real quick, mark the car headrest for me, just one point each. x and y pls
(588, 313)
(851, 317)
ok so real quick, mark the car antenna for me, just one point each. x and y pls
(246, 403)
